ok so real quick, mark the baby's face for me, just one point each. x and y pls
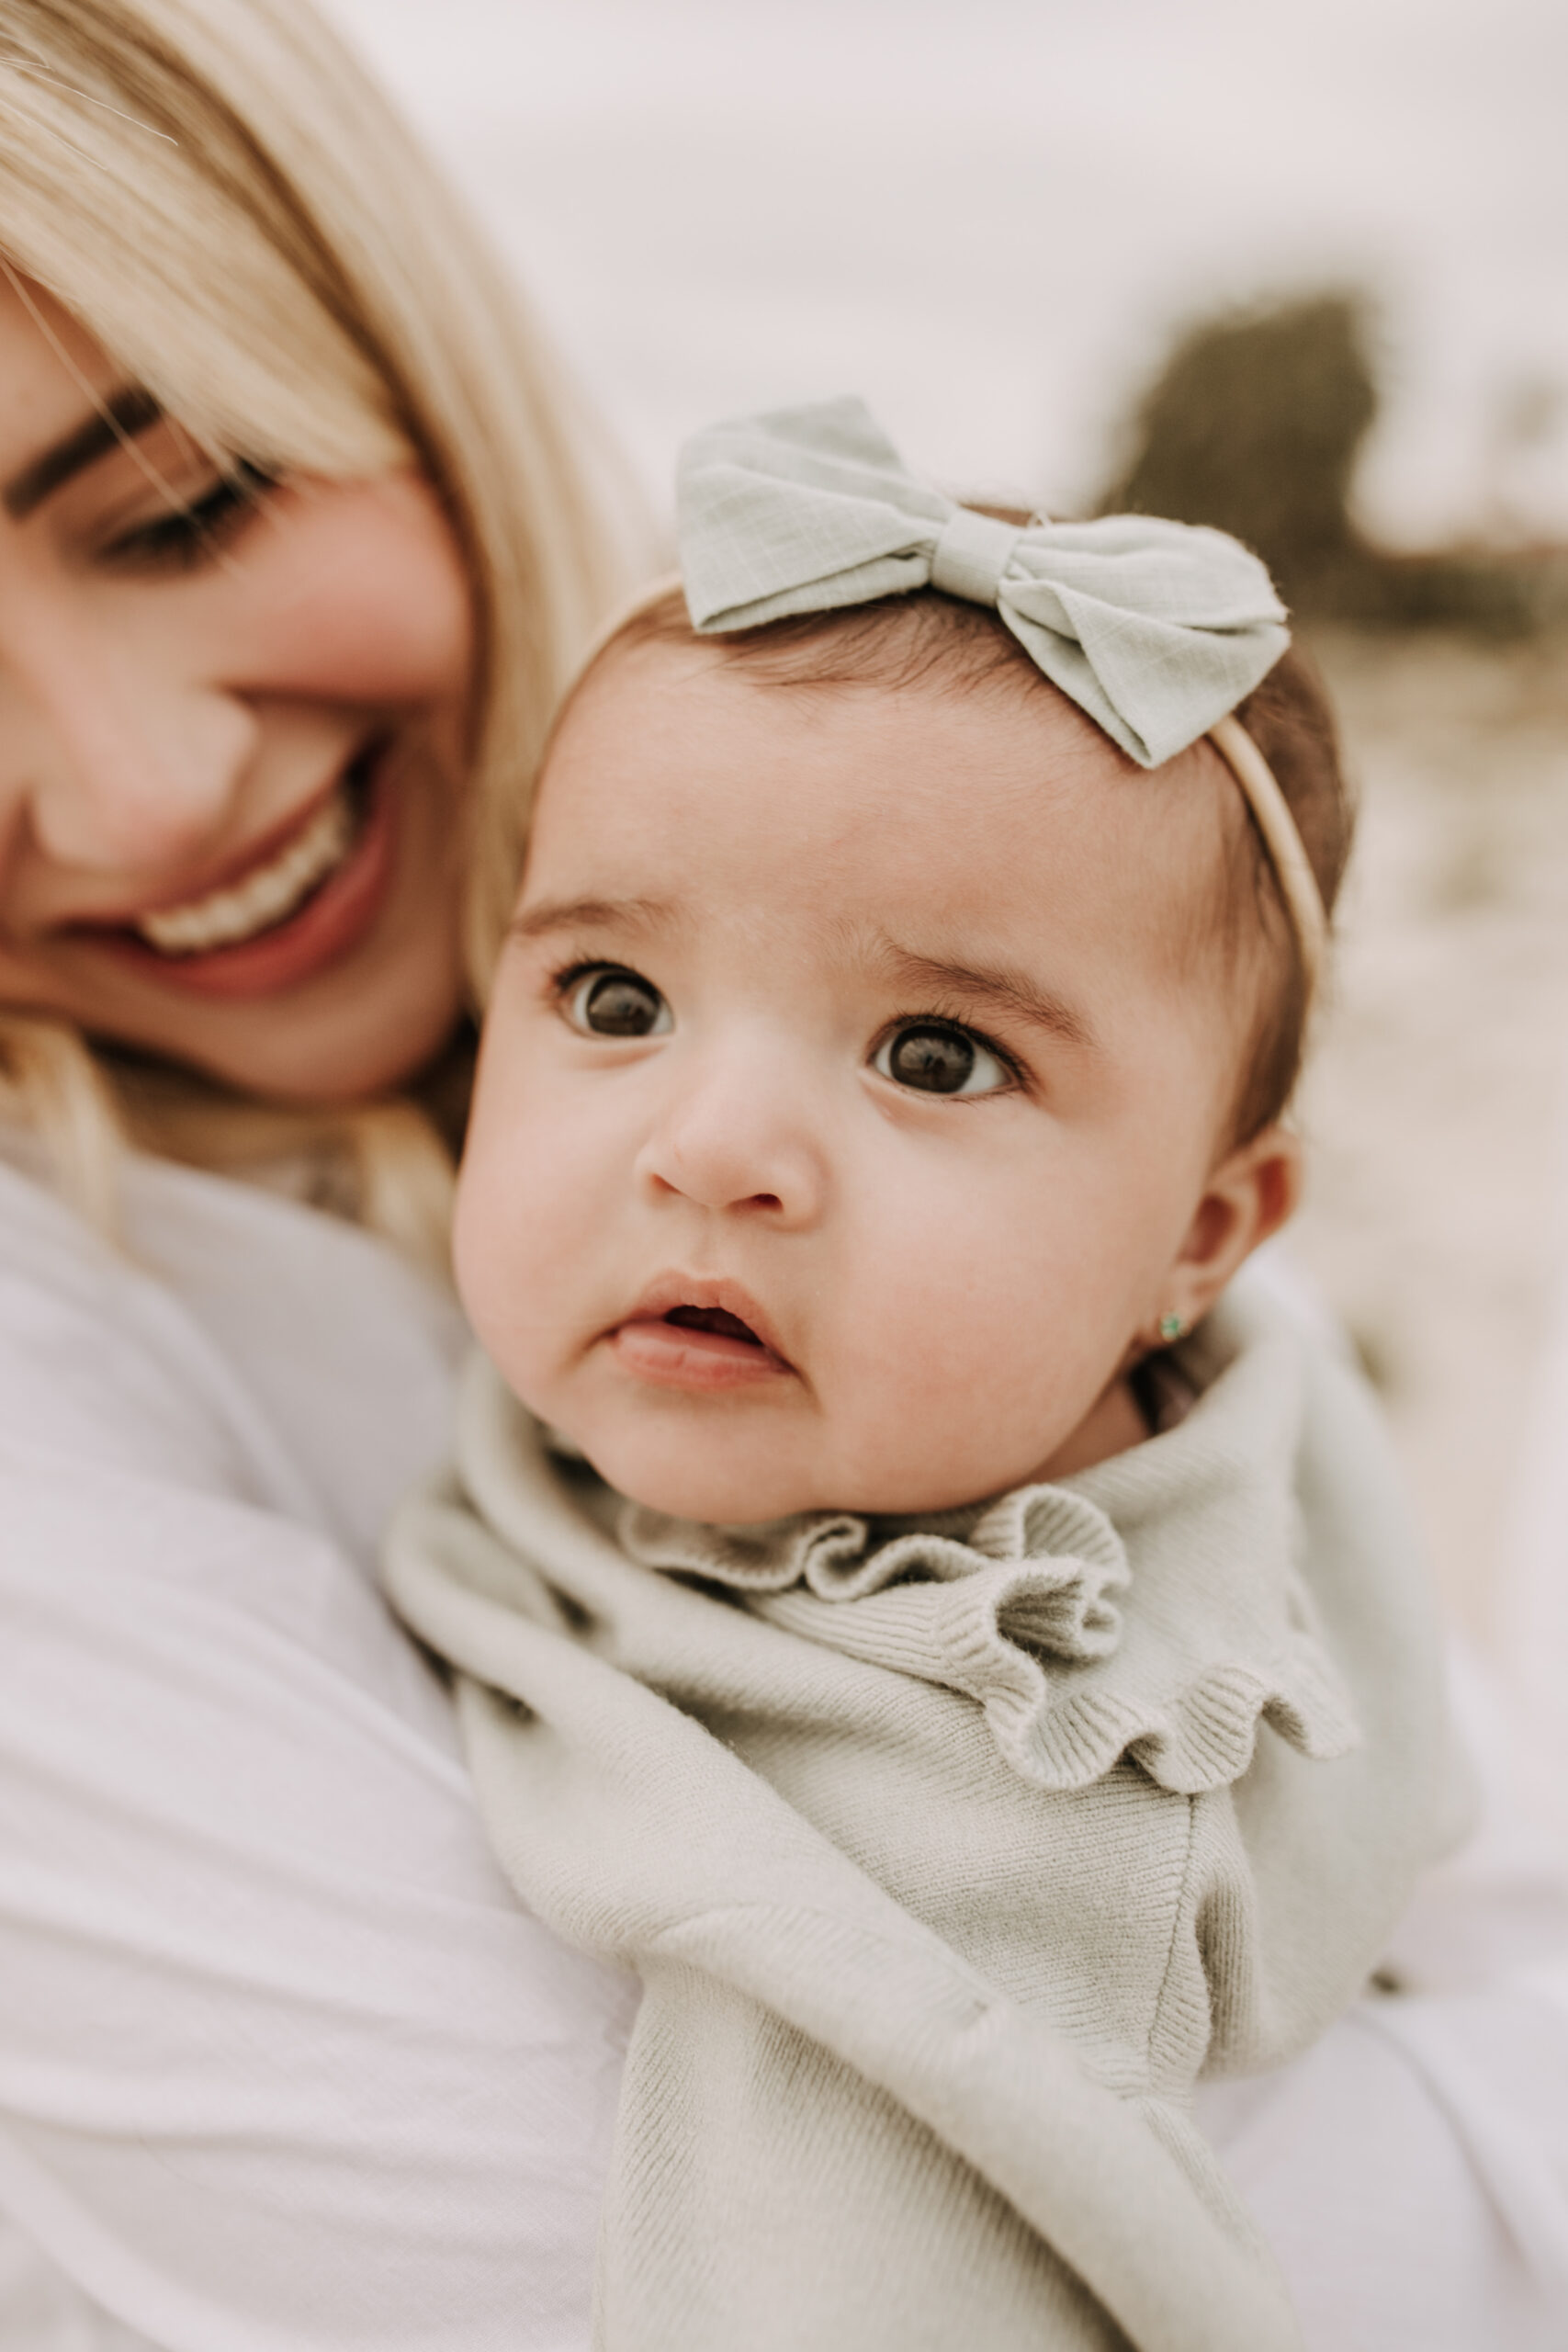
(848, 1110)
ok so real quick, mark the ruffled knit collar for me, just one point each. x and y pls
(1150, 1607)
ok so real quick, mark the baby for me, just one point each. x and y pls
(972, 1713)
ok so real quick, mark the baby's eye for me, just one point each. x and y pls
(607, 1002)
(933, 1058)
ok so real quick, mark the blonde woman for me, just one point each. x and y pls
(294, 550)
(293, 547)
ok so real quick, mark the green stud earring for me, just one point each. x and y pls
(1172, 1327)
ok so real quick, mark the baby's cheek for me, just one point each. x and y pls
(998, 1352)
(484, 1253)
(502, 1247)
(929, 1332)
(529, 1235)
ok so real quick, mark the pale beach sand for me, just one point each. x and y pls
(1436, 1107)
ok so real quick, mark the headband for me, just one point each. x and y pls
(1156, 630)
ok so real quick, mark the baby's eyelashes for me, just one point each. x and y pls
(940, 1057)
(606, 1000)
(922, 1054)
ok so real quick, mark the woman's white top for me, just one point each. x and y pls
(282, 2066)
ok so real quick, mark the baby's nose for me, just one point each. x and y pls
(740, 1133)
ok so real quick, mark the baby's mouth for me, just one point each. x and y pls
(696, 1348)
(714, 1320)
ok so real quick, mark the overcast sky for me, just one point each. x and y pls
(990, 215)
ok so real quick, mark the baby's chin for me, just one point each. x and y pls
(725, 1470)
(713, 1487)
(729, 1485)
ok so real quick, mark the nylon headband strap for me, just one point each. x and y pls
(1282, 839)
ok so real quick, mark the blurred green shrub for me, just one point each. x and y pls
(1256, 422)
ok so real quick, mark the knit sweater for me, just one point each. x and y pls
(949, 1855)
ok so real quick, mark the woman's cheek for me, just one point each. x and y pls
(353, 590)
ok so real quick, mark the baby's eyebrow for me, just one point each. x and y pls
(591, 914)
(1000, 984)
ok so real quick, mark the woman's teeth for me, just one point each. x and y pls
(263, 900)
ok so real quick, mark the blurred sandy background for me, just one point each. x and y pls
(993, 218)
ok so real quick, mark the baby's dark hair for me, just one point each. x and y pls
(928, 639)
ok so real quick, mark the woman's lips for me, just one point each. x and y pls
(696, 1345)
(328, 923)
(273, 886)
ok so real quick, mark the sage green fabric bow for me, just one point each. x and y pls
(1156, 630)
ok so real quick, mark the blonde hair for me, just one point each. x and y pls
(218, 193)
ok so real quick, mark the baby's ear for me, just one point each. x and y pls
(1248, 1196)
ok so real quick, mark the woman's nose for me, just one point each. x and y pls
(740, 1129)
(125, 763)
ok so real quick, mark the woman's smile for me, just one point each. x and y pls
(302, 898)
(233, 721)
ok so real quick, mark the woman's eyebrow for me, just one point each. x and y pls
(597, 914)
(124, 416)
(1000, 984)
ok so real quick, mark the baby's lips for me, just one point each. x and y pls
(692, 1357)
(695, 1298)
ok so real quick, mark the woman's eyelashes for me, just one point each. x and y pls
(933, 1056)
(607, 1000)
(182, 537)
